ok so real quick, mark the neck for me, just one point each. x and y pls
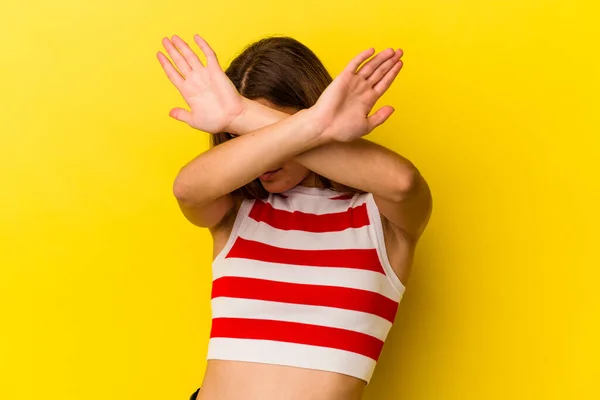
(311, 180)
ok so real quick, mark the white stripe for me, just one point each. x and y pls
(315, 204)
(353, 238)
(357, 321)
(240, 220)
(326, 276)
(293, 355)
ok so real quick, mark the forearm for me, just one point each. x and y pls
(226, 167)
(360, 164)
(364, 165)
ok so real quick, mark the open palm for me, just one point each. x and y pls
(344, 106)
(213, 100)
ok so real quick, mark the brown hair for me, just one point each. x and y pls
(286, 73)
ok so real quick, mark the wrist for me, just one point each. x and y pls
(318, 123)
(313, 121)
(254, 115)
(236, 126)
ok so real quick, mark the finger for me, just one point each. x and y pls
(180, 62)
(181, 115)
(359, 59)
(211, 57)
(379, 117)
(191, 57)
(371, 66)
(172, 73)
(388, 79)
(384, 68)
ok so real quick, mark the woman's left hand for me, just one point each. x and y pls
(213, 99)
(342, 111)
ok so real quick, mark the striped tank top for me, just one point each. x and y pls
(304, 281)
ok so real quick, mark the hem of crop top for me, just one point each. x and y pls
(295, 355)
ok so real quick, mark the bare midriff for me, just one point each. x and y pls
(235, 380)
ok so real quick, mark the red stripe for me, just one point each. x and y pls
(294, 332)
(366, 259)
(355, 217)
(314, 295)
(342, 197)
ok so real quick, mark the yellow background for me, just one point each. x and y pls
(104, 288)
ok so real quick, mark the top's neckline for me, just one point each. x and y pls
(314, 191)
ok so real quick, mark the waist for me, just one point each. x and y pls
(234, 380)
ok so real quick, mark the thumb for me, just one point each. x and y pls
(181, 115)
(379, 117)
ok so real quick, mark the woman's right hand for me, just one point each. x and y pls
(342, 111)
(213, 99)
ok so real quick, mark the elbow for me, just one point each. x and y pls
(184, 191)
(406, 183)
(181, 190)
(194, 189)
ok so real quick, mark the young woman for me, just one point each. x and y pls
(314, 228)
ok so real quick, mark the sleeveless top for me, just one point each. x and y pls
(304, 281)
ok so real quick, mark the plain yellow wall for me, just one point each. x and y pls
(104, 288)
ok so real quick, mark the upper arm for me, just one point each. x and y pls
(410, 213)
(210, 215)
